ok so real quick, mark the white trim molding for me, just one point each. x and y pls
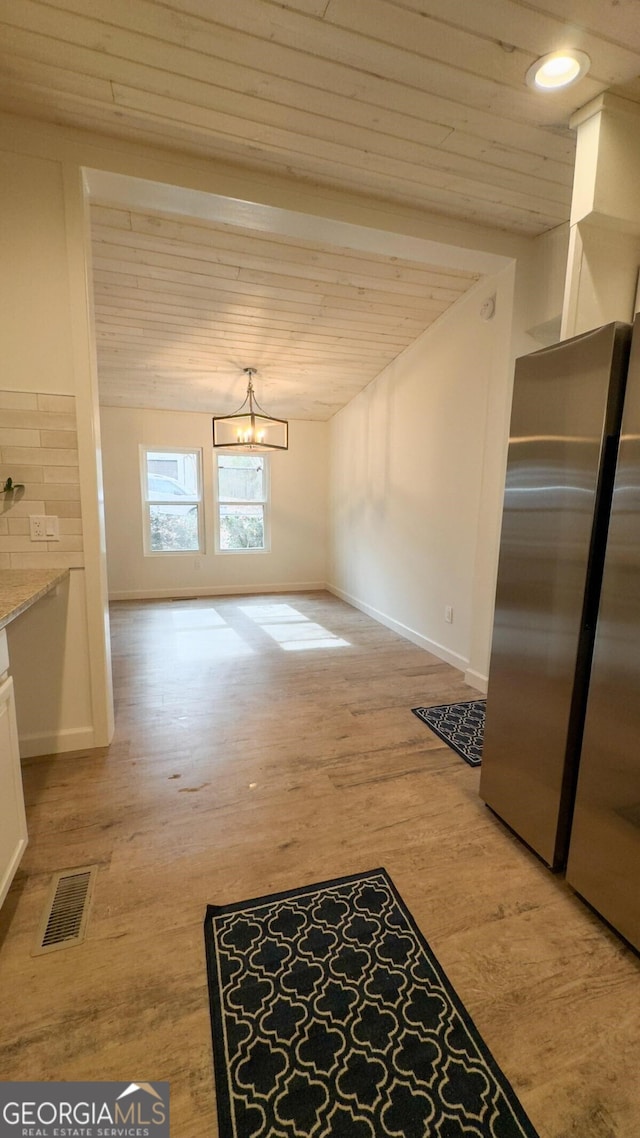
(432, 646)
(476, 680)
(57, 742)
(216, 591)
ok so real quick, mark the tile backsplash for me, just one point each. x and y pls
(39, 448)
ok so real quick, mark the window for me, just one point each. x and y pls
(242, 503)
(171, 498)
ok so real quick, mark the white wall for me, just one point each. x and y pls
(46, 332)
(541, 280)
(34, 287)
(418, 459)
(46, 323)
(418, 462)
(410, 478)
(297, 557)
(54, 702)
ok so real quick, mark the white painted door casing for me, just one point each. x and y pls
(13, 823)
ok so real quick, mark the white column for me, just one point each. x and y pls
(89, 451)
(604, 246)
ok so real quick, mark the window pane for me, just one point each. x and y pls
(240, 478)
(173, 528)
(241, 527)
(171, 474)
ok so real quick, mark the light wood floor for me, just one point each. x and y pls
(247, 760)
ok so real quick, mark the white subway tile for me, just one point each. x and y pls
(66, 545)
(13, 543)
(69, 526)
(47, 560)
(61, 474)
(51, 490)
(15, 437)
(45, 456)
(21, 508)
(68, 509)
(21, 473)
(37, 560)
(40, 420)
(64, 403)
(68, 440)
(20, 400)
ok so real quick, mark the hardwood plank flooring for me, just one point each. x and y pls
(264, 743)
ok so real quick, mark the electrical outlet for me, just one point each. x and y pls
(44, 527)
(448, 614)
(38, 527)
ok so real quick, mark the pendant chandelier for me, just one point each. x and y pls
(250, 428)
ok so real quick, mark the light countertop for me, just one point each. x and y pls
(21, 588)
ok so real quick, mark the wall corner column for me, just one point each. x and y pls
(604, 247)
(89, 451)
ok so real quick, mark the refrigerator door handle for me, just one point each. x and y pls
(591, 605)
(593, 581)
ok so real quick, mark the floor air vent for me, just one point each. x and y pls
(64, 919)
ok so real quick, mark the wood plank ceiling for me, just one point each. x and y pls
(182, 306)
(419, 102)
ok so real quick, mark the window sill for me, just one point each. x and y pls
(242, 552)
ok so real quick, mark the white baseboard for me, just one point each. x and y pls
(476, 680)
(195, 591)
(56, 742)
(432, 646)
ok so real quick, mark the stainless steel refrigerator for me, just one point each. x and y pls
(565, 425)
(604, 850)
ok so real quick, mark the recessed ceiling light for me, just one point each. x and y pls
(558, 69)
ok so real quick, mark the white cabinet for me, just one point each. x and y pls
(13, 823)
(19, 589)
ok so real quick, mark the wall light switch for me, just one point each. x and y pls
(448, 614)
(52, 528)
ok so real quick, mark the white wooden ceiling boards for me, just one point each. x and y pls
(183, 305)
(416, 102)
(419, 101)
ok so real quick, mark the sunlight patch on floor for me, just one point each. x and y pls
(210, 644)
(291, 629)
(197, 618)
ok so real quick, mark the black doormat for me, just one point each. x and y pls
(460, 725)
(331, 1018)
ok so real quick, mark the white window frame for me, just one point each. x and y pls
(265, 502)
(195, 500)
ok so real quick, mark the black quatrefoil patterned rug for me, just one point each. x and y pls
(331, 1018)
(459, 725)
